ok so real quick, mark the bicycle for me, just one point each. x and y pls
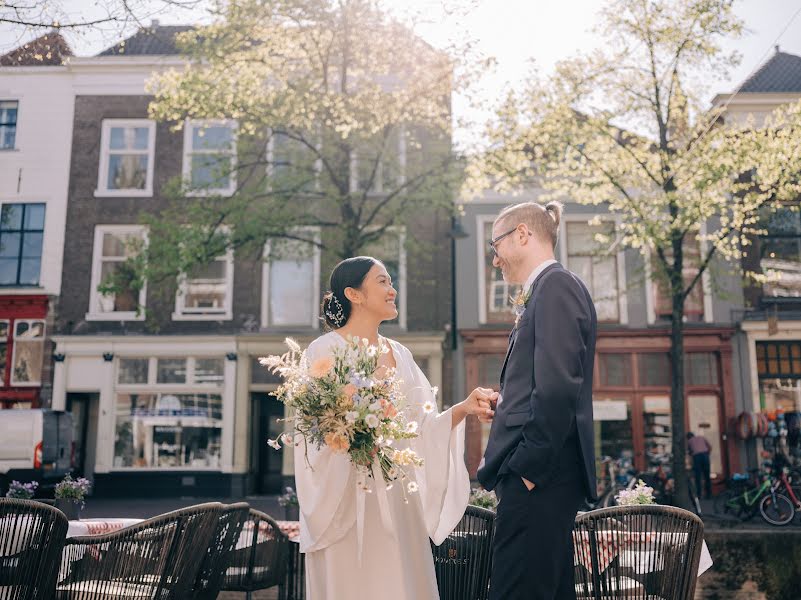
(765, 498)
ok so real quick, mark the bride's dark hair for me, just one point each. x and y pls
(350, 272)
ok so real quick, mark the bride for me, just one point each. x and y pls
(370, 544)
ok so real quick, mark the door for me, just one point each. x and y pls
(78, 405)
(268, 462)
(704, 419)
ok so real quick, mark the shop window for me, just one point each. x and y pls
(615, 370)
(654, 369)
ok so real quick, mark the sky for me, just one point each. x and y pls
(516, 32)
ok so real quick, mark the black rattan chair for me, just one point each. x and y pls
(462, 562)
(31, 538)
(262, 563)
(157, 558)
(227, 536)
(639, 552)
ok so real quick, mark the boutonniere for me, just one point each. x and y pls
(519, 303)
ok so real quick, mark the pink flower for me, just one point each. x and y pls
(390, 412)
(321, 367)
(349, 389)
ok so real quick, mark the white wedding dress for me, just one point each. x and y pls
(394, 561)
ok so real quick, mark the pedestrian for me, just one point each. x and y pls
(699, 448)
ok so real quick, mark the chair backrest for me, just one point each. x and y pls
(160, 556)
(227, 536)
(637, 552)
(463, 561)
(32, 535)
(261, 562)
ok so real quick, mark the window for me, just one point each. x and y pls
(291, 282)
(21, 237)
(8, 124)
(28, 352)
(207, 292)
(126, 158)
(114, 245)
(495, 306)
(210, 157)
(3, 350)
(654, 369)
(701, 368)
(169, 412)
(615, 369)
(780, 253)
(391, 250)
(381, 164)
(293, 167)
(694, 303)
(597, 266)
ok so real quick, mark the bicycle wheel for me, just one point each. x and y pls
(778, 512)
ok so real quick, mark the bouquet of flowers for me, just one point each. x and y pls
(21, 491)
(482, 498)
(288, 498)
(640, 494)
(349, 403)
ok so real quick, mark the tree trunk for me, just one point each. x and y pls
(681, 496)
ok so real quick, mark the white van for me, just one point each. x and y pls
(35, 445)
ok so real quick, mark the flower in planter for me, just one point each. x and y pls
(73, 489)
(483, 499)
(641, 494)
(21, 491)
(288, 498)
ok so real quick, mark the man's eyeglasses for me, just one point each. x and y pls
(492, 243)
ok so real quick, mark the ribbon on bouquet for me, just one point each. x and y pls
(383, 504)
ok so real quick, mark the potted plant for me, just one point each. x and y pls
(483, 499)
(70, 494)
(289, 500)
(22, 491)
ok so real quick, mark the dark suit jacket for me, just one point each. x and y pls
(546, 386)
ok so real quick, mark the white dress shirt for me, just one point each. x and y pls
(537, 272)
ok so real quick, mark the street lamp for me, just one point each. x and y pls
(457, 232)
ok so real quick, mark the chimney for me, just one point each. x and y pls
(155, 23)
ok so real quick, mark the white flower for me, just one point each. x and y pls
(274, 444)
(286, 439)
(412, 487)
(374, 407)
(428, 406)
(434, 391)
(351, 416)
(372, 351)
(293, 345)
(371, 420)
(411, 427)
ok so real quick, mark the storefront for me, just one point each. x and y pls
(631, 399)
(775, 367)
(152, 416)
(23, 367)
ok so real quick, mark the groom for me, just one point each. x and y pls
(540, 454)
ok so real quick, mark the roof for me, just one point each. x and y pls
(153, 40)
(780, 74)
(47, 50)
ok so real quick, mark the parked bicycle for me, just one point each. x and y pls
(763, 493)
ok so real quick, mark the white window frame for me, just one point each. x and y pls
(378, 183)
(188, 151)
(105, 139)
(622, 306)
(650, 301)
(400, 231)
(94, 295)
(13, 353)
(481, 221)
(314, 316)
(225, 314)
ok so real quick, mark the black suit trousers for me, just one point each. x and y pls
(532, 555)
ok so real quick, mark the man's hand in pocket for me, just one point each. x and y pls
(529, 486)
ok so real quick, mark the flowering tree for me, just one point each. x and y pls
(342, 130)
(625, 128)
